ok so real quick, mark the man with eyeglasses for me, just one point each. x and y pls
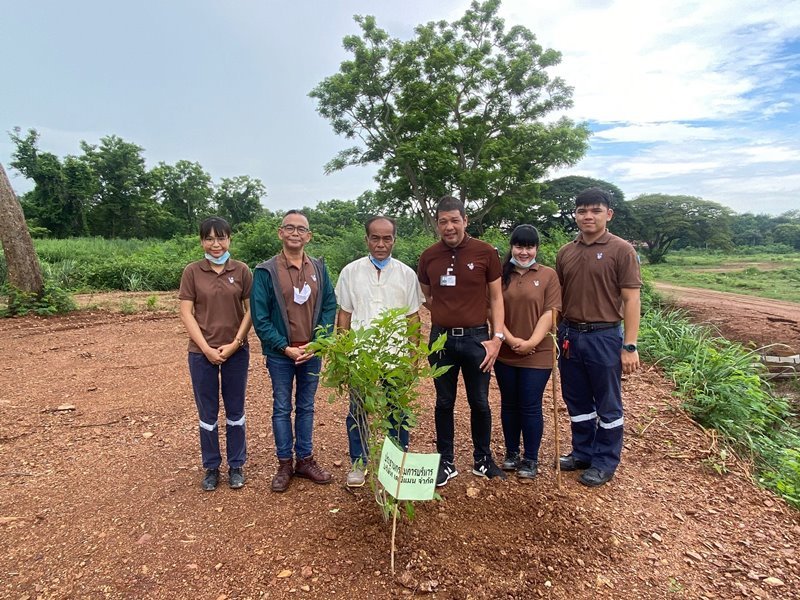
(292, 295)
(367, 287)
(600, 280)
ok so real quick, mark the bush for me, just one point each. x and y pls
(53, 300)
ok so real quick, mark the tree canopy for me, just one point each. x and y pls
(457, 109)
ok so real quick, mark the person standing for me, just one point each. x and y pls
(292, 296)
(530, 293)
(366, 287)
(601, 281)
(460, 277)
(215, 309)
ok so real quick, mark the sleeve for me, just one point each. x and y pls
(628, 272)
(247, 281)
(262, 311)
(414, 296)
(552, 293)
(422, 269)
(493, 270)
(187, 289)
(343, 290)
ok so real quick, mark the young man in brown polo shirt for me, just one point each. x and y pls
(292, 295)
(600, 279)
(460, 277)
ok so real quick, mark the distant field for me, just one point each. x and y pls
(774, 276)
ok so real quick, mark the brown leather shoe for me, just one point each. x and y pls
(280, 482)
(308, 468)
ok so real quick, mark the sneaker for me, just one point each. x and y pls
(235, 478)
(447, 470)
(485, 467)
(570, 463)
(356, 478)
(511, 462)
(211, 480)
(308, 468)
(527, 469)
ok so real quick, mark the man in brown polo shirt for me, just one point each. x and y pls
(292, 295)
(600, 280)
(460, 277)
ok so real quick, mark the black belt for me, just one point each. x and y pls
(584, 327)
(462, 331)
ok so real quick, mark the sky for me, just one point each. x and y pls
(700, 98)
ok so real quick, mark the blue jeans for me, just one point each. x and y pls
(284, 375)
(592, 388)
(206, 385)
(356, 426)
(521, 390)
(465, 354)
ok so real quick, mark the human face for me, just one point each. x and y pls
(380, 239)
(524, 254)
(215, 244)
(592, 218)
(452, 227)
(294, 232)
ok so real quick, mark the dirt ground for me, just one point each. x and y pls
(100, 496)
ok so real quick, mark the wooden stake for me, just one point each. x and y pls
(397, 504)
(555, 396)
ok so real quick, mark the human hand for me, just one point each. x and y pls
(228, 350)
(630, 361)
(524, 348)
(492, 347)
(214, 356)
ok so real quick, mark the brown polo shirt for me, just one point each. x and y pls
(528, 297)
(301, 316)
(474, 264)
(592, 276)
(217, 298)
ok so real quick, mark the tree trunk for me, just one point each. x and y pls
(24, 272)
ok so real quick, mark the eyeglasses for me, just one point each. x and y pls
(298, 228)
(211, 239)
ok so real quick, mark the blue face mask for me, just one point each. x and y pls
(380, 264)
(218, 261)
(526, 265)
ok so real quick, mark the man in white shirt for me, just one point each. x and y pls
(366, 287)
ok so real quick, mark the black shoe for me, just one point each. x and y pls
(447, 470)
(235, 478)
(510, 462)
(485, 467)
(594, 477)
(570, 463)
(211, 480)
(527, 469)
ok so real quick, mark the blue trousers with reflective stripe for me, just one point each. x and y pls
(592, 388)
(206, 379)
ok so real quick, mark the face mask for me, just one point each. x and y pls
(218, 261)
(302, 296)
(380, 264)
(526, 265)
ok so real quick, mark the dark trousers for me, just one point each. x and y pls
(592, 389)
(465, 354)
(206, 379)
(357, 427)
(521, 390)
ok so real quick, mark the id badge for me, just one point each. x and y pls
(447, 281)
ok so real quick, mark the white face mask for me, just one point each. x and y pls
(523, 265)
(302, 296)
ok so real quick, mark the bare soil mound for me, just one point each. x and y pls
(100, 496)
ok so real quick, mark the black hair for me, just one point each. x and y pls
(217, 225)
(593, 195)
(448, 203)
(294, 211)
(523, 235)
(371, 220)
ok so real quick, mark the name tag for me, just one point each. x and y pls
(447, 281)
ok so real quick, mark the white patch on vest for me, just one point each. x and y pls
(599, 255)
(536, 283)
(471, 266)
(231, 279)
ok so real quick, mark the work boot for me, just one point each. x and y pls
(280, 482)
(211, 480)
(235, 478)
(308, 468)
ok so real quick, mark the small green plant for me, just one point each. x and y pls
(152, 302)
(53, 300)
(127, 306)
(675, 586)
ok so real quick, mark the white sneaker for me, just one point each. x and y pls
(356, 477)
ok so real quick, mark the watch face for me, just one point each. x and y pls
(629, 347)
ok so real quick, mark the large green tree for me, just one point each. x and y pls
(658, 221)
(185, 191)
(238, 199)
(558, 200)
(460, 108)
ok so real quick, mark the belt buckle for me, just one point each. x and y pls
(457, 332)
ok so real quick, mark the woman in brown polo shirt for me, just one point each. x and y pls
(215, 308)
(530, 292)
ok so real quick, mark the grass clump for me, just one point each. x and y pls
(722, 387)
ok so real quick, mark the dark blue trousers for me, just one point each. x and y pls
(592, 388)
(521, 390)
(206, 379)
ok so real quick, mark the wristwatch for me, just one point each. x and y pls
(500, 335)
(629, 347)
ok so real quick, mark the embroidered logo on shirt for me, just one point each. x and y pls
(471, 266)
(536, 283)
(231, 279)
(599, 255)
(313, 278)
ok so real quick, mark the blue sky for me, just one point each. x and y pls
(684, 97)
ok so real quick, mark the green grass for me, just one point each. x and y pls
(767, 275)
